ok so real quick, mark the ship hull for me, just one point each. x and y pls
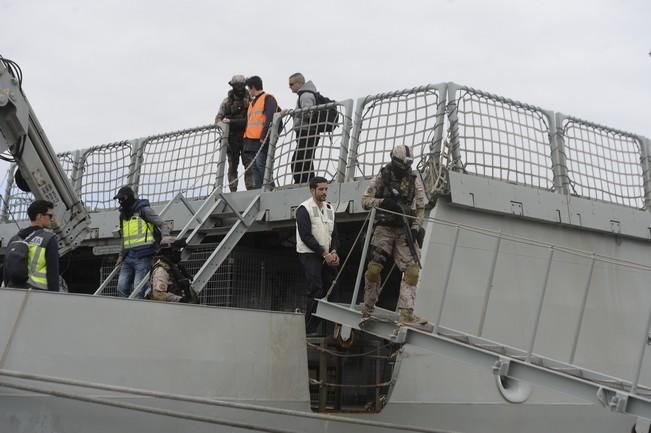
(241, 356)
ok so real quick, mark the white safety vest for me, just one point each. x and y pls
(323, 223)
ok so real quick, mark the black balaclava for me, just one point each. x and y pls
(238, 89)
(126, 197)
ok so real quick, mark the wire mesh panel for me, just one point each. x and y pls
(413, 117)
(104, 169)
(108, 263)
(247, 279)
(219, 289)
(19, 200)
(502, 139)
(180, 161)
(603, 163)
(311, 142)
(252, 279)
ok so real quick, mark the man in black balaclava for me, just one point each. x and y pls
(233, 112)
(141, 229)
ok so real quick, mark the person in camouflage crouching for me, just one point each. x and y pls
(398, 190)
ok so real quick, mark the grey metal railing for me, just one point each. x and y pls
(487, 135)
(414, 117)
(500, 138)
(304, 143)
(603, 163)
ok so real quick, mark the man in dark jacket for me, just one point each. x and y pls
(233, 112)
(316, 245)
(305, 128)
(257, 133)
(141, 229)
(43, 250)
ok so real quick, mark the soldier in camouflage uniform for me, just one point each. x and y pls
(395, 189)
(233, 111)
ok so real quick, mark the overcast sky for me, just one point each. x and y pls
(102, 71)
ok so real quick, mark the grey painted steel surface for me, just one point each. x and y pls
(265, 365)
(499, 360)
(171, 348)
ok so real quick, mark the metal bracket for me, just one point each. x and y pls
(613, 400)
(501, 367)
(399, 335)
(615, 226)
(516, 208)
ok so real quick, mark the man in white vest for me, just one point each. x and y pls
(316, 240)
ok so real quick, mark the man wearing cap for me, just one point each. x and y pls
(141, 229)
(233, 111)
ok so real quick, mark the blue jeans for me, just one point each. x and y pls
(259, 165)
(133, 270)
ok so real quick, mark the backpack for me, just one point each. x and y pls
(16, 268)
(327, 118)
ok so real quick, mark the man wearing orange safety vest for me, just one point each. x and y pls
(257, 134)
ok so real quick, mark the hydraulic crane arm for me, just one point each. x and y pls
(22, 136)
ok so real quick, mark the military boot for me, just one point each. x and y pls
(407, 317)
(367, 311)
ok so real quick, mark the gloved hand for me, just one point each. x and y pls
(418, 234)
(391, 204)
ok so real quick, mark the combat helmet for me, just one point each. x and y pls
(402, 157)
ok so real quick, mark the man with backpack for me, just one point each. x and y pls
(32, 258)
(141, 229)
(308, 125)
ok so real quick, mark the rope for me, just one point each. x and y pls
(351, 386)
(533, 242)
(368, 354)
(350, 252)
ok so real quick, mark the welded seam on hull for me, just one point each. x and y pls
(5, 351)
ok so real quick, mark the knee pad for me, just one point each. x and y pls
(373, 272)
(411, 275)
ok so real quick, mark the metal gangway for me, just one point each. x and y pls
(200, 222)
(505, 361)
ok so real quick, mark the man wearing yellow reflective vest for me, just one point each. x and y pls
(257, 133)
(42, 251)
(141, 230)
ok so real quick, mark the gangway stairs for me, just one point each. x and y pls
(504, 361)
(215, 206)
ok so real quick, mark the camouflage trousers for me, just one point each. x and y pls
(234, 153)
(391, 242)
